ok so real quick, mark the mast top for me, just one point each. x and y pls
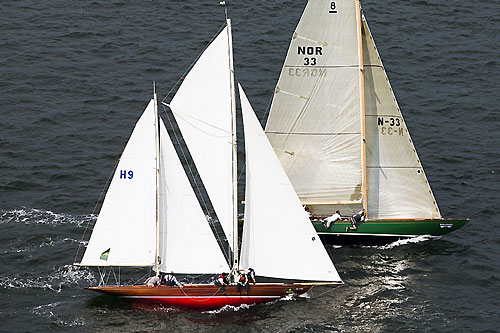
(223, 3)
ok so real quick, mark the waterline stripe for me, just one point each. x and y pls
(170, 297)
(362, 234)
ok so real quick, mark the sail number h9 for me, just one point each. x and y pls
(124, 174)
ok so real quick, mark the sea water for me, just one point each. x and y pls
(76, 75)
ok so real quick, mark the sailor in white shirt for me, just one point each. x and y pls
(331, 219)
(152, 281)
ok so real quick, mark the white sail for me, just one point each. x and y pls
(128, 213)
(278, 240)
(202, 108)
(315, 124)
(187, 244)
(397, 186)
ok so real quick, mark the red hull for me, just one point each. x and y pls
(205, 303)
(204, 296)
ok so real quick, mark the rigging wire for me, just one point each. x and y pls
(193, 177)
(101, 196)
(197, 299)
(178, 141)
(323, 293)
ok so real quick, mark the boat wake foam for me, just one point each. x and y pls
(38, 216)
(154, 307)
(65, 276)
(405, 241)
(290, 297)
(47, 311)
(49, 242)
(230, 308)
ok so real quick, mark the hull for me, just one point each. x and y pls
(205, 296)
(378, 232)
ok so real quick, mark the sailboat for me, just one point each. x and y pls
(151, 216)
(339, 133)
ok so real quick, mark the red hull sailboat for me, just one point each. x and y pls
(151, 216)
(205, 297)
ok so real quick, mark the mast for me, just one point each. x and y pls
(157, 136)
(235, 151)
(362, 106)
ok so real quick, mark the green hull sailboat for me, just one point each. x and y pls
(338, 131)
(378, 232)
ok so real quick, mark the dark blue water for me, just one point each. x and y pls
(75, 76)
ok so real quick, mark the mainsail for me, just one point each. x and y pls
(202, 109)
(272, 209)
(187, 244)
(314, 124)
(128, 212)
(397, 186)
(316, 120)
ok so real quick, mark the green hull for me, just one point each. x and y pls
(378, 232)
(384, 231)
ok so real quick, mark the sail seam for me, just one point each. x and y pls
(296, 35)
(384, 115)
(323, 66)
(393, 167)
(180, 114)
(315, 134)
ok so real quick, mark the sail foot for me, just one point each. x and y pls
(327, 209)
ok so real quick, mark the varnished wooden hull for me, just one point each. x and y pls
(205, 296)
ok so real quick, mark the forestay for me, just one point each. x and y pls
(397, 185)
(202, 109)
(128, 213)
(315, 124)
(273, 209)
(187, 244)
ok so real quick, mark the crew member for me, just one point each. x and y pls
(152, 281)
(170, 280)
(356, 220)
(332, 219)
(222, 281)
(242, 281)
